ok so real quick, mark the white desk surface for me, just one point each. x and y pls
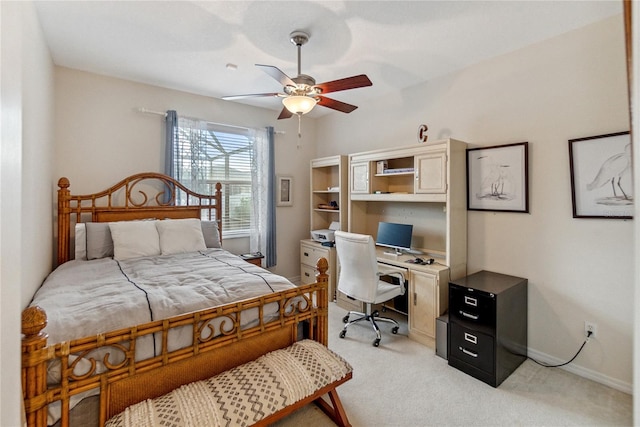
(401, 261)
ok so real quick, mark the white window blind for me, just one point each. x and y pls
(208, 153)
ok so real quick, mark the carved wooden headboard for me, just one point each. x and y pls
(141, 196)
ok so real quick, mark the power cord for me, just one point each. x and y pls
(589, 333)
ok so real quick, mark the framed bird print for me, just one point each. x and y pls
(497, 178)
(601, 176)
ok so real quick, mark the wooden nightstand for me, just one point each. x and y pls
(255, 259)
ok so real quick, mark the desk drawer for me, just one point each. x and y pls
(472, 309)
(307, 274)
(310, 255)
(472, 347)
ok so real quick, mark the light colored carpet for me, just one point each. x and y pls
(403, 383)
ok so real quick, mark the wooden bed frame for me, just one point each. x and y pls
(214, 349)
(130, 200)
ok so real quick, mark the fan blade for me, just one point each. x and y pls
(252, 95)
(345, 84)
(285, 114)
(277, 74)
(335, 105)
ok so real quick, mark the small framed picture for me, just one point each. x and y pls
(285, 191)
(498, 177)
(601, 176)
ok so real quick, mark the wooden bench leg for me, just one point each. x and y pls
(335, 411)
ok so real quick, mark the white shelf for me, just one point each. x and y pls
(395, 173)
(400, 197)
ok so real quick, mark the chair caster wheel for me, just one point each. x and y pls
(342, 334)
(376, 342)
(394, 330)
(345, 319)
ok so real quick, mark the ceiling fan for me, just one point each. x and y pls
(301, 93)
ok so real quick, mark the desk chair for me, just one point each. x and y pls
(360, 280)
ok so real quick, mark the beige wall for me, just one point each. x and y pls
(25, 184)
(578, 269)
(635, 128)
(568, 87)
(37, 153)
(101, 138)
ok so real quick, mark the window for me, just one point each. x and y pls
(208, 153)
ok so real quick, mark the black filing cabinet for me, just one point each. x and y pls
(488, 325)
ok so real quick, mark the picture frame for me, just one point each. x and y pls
(285, 191)
(498, 178)
(602, 176)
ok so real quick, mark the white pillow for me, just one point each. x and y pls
(132, 239)
(180, 235)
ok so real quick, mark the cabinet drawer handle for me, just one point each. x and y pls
(306, 274)
(306, 253)
(469, 315)
(471, 338)
(468, 352)
(471, 301)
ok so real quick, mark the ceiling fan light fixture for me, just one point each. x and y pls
(299, 104)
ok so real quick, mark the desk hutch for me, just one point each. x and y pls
(423, 185)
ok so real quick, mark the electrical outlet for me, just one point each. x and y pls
(590, 327)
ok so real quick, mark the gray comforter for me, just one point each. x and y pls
(84, 298)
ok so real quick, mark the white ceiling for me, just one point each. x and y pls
(185, 45)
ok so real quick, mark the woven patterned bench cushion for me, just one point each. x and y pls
(243, 395)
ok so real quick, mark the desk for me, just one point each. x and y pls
(428, 294)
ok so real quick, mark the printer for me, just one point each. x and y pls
(326, 235)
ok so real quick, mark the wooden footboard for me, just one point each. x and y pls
(121, 380)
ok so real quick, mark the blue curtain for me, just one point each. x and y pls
(170, 147)
(271, 255)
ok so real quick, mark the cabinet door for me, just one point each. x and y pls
(423, 304)
(360, 178)
(431, 173)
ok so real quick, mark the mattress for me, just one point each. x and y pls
(85, 298)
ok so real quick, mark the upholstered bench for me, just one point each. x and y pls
(256, 393)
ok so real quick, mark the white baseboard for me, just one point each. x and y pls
(598, 377)
(295, 280)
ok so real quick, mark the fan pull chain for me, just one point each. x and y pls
(299, 126)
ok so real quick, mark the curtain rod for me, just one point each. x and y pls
(159, 113)
(146, 111)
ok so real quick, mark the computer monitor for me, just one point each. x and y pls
(396, 236)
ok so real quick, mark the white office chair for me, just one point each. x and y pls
(360, 280)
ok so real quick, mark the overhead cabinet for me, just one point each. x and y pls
(416, 173)
(431, 173)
